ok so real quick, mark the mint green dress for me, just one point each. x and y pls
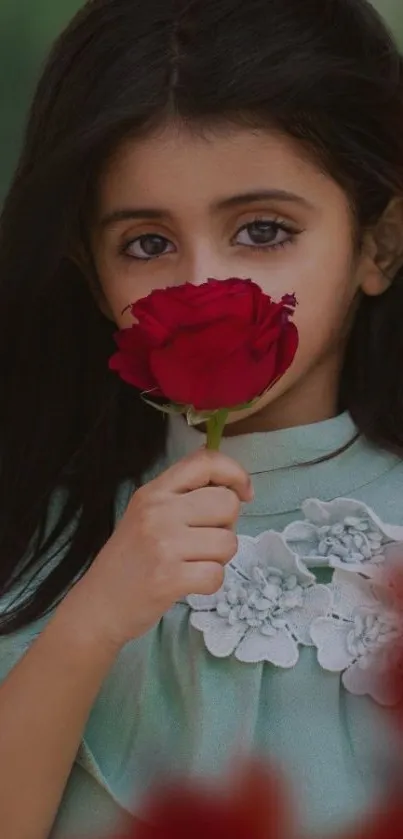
(270, 663)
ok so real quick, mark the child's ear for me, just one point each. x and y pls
(382, 250)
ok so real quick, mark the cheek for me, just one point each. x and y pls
(326, 303)
(323, 311)
(116, 286)
(324, 282)
(118, 293)
(122, 317)
(122, 285)
(115, 304)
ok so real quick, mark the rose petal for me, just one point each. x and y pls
(202, 369)
(132, 361)
(216, 345)
(168, 306)
(192, 305)
(287, 348)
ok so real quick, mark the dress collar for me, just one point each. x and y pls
(283, 464)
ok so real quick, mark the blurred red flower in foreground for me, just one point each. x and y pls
(253, 812)
(256, 805)
(252, 809)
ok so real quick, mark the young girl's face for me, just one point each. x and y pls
(180, 207)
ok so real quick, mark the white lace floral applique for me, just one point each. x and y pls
(265, 608)
(359, 638)
(270, 603)
(342, 534)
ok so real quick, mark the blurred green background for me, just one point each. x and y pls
(26, 32)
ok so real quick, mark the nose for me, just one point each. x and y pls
(202, 264)
(204, 255)
(201, 278)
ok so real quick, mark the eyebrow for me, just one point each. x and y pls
(130, 213)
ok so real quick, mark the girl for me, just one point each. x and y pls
(168, 142)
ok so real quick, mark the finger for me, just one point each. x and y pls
(207, 467)
(208, 544)
(200, 578)
(210, 507)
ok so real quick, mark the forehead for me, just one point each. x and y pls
(179, 162)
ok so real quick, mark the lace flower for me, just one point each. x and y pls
(343, 534)
(359, 639)
(265, 607)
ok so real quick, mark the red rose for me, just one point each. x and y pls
(255, 807)
(251, 808)
(216, 345)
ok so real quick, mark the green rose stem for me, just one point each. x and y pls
(215, 428)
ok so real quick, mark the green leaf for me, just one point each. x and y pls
(170, 408)
(194, 417)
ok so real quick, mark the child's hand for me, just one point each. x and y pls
(175, 539)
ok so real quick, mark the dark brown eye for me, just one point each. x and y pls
(262, 233)
(148, 246)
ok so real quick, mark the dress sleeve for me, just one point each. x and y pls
(15, 645)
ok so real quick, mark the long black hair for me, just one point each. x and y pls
(324, 71)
